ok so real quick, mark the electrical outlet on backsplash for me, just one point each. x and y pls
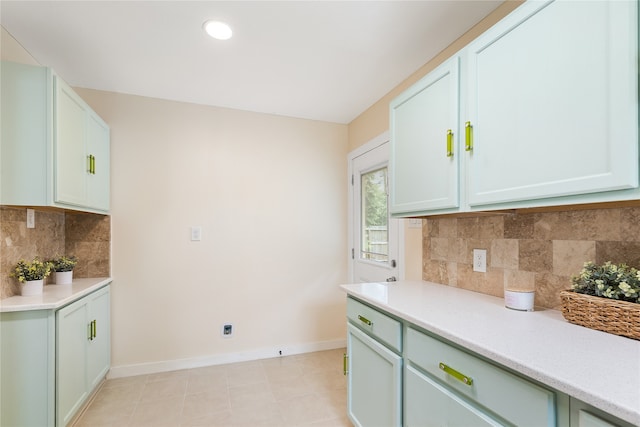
(538, 251)
(88, 236)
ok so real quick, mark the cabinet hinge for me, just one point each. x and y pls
(353, 253)
(352, 180)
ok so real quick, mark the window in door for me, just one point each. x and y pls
(375, 214)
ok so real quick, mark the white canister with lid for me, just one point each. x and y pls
(519, 300)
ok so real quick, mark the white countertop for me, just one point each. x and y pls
(53, 296)
(598, 368)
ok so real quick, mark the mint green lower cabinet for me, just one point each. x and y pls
(27, 368)
(52, 360)
(374, 382)
(584, 415)
(510, 397)
(99, 348)
(400, 374)
(83, 352)
(71, 369)
(428, 403)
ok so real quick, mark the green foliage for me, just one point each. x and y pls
(375, 196)
(35, 270)
(63, 263)
(619, 282)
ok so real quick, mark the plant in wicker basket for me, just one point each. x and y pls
(606, 298)
(619, 282)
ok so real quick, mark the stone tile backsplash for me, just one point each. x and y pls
(528, 251)
(84, 235)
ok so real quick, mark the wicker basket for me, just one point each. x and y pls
(603, 314)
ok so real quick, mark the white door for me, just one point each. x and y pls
(375, 254)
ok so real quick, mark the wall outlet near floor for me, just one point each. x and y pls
(227, 330)
(480, 260)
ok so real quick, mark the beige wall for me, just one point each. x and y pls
(269, 193)
(11, 50)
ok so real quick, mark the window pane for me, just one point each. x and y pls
(375, 214)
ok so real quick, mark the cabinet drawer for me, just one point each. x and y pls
(515, 399)
(375, 323)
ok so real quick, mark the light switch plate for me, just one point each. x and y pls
(196, 233)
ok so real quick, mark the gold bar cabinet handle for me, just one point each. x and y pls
(94, 329)
(449, 143)
(93, 164)
(344, 363)
(365, 320)
(455, 374)
(468, 136)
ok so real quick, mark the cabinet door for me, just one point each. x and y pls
(27, 383)
(584, 415)
(424, 156)
(428, 403)
(25, 134)
(374, 385)
(70, 160)
(72, 330)
(553, 102)
(98, 146)
(99, 345)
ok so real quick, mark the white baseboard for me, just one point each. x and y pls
(221, 359)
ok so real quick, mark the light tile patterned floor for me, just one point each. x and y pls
(302, 390)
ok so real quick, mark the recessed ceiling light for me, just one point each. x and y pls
(218, 30)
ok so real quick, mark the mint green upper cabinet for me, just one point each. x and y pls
(424, 154)
(553, 101)
(55, 149)
(70, 139)
(99, 147)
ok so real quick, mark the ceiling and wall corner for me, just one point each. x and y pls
(375, 119)
(320, 60)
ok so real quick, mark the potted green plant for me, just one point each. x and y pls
(31, 275)
(605, 297)
(63, 267)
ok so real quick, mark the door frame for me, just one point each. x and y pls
(368, 146)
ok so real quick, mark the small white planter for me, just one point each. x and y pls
(63, 277)
(31, 287)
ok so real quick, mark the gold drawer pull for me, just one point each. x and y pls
(345, 360)
(449, 143)
(365, 320)
(455, 374)
(468, 136)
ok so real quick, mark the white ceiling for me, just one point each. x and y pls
(322, 60)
